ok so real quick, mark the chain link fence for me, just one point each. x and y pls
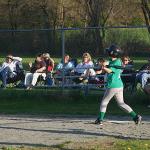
(134, 40)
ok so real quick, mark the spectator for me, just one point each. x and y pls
(147, 91)
(49, 62)
(67, 65)
(127, 62)
(144, 74)
(9, 69)
(99, 79)
(84, 69)
(128, 74)
(100, 63)
(37, 69)
(49, 69)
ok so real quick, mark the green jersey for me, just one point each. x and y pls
(114, 78)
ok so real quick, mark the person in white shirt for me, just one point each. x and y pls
(8, 69)
(85, 68)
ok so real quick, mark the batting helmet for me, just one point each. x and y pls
(114, 51)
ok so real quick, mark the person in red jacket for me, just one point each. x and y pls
(49, 69)
(49, 62)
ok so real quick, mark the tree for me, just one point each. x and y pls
(145, 5)
(98, 13)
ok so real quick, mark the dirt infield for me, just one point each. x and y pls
(47, 131)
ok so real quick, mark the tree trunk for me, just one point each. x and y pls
(98, 41)
(145, 5)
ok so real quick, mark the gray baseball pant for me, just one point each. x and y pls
(118, 94)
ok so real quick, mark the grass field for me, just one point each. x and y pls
(72, 102)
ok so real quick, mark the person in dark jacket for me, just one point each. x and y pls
(144, 74)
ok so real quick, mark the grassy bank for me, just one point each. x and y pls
(72, 102)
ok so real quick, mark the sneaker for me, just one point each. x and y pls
(137, 119)
(98, 121)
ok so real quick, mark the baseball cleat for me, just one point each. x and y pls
(137, 119)
(98, 121)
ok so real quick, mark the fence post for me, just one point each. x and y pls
(63, 54)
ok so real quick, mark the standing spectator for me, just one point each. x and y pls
(8, 69)
(38, 68)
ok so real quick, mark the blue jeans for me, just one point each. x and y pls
(4, 75)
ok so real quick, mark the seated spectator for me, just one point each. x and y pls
(100, 62)
(67, 66)
(128, 74)
(8, 70)
(84, 69)
(127, 62)
(49, 69)
(38, 68)
(98, 70)
(49, 62)
(144, 74)
(20, 76)
(147, 91)
(74, 61)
